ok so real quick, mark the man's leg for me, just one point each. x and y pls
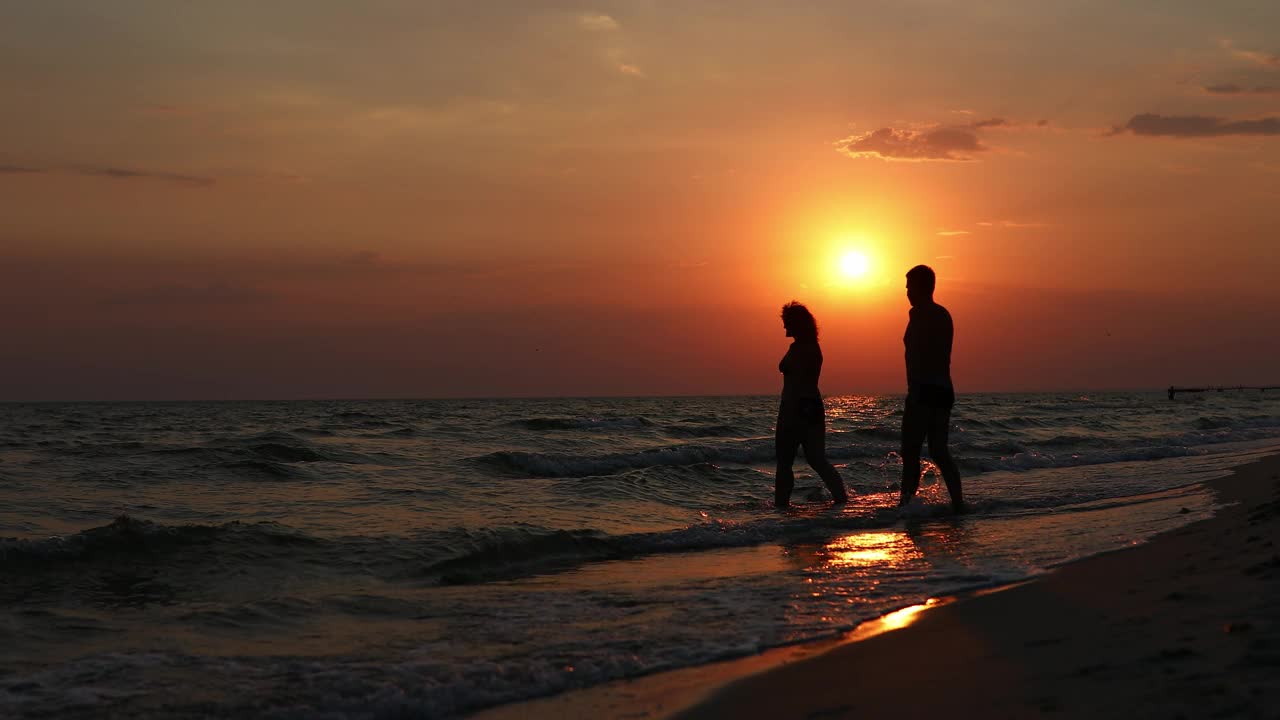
(914, 429)
(939, 427)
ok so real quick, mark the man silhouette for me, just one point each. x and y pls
(930, 395)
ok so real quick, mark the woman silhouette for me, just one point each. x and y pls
(801, 417)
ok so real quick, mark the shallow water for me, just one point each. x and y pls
(363, 559)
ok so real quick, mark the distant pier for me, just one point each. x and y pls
(1174, 390)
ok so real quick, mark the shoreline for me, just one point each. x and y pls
(1184, 624)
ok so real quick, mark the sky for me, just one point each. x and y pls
(323, 199)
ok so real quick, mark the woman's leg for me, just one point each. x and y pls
(815, 451)
(785, 442)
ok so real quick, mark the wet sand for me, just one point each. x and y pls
(1185, 626)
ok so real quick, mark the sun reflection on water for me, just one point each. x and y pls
(895, 620)
(907, 615)
(875, 410)
(865, 549)
(844, 577)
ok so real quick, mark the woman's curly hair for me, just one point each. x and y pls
(800, 321)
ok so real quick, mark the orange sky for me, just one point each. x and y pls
(407, 199)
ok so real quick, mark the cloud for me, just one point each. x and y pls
(1012, 224)
(936, 144)
(365, 257)
(953, 142)
(630, 70)
(598, 22)
(216, 293)
(1005, 124)
(952, 233)
(1233, 89)
(1253, 56)
(126, 174)
(114, 173)
(1184, 126)
(171, 110)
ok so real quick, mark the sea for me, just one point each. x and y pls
(430, 558)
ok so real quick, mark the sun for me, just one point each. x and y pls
(854, 265)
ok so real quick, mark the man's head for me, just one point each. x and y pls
(920, 283)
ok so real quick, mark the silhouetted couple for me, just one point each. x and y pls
(926, 413)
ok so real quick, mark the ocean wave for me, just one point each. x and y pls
(258, 452)
(888, 433)
(336, 686)
(1041, 460)
(582, 423)
(313, 432)
(758, 451)
(1213, 423)
(1008, 454)
(561, 465)
(263, 467)
(273, 612)
(355, 419)
(1247, 422)
(131, 537)
(1022, 423)
(670, 484)
(272, 452)
(399, 432)
(495, 554)
(1237, 434)
(508, 552)
(289, 453)
(964, 446)
(454, 556)
(1079, 440)
(705, 431)
(515, 552)
(462, 555)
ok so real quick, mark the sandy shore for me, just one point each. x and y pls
(1185, 626)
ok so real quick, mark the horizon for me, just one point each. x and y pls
(521, 199)
(1208, 390)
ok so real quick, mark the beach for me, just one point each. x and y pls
(1183, 626)
(507, 359)
(600, 557)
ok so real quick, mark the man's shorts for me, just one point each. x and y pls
(926, 414)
